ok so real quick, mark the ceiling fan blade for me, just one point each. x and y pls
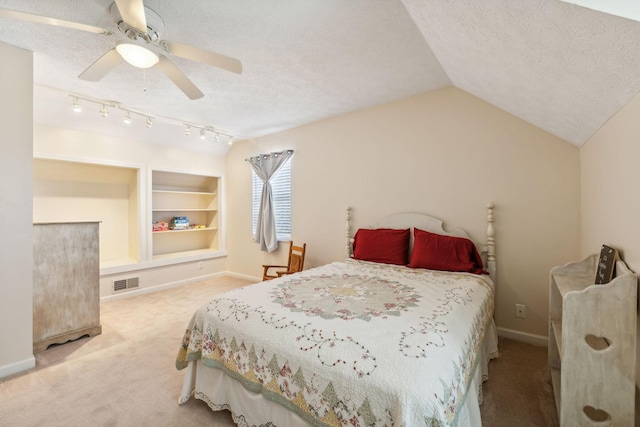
(52, 21)
(102, 66)
(206, 57)
(179, 78)
(132, 12)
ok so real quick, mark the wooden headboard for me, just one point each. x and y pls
(435, 225)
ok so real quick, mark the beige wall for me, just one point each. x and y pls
(16, 254)
(445, 153)
(610, 163)
(84, 146)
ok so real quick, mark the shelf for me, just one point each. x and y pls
(185, 210)
(190, 195)
(111, 263)
(200, 193)
(584, 320)
(184, 231)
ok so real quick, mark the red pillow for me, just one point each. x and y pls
(385, 245)
(444, 253)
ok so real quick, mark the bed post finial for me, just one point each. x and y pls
(348, 233)
(491, 243)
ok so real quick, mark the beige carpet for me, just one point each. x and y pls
(126, 376)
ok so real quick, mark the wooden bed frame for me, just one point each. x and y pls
(434, 225)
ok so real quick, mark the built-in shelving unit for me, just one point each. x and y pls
(592, 344)
(125, 199)
(188, 195)
(71, 191)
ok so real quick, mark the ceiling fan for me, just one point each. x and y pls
(139, 44)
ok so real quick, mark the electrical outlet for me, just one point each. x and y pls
(521, 312)
(200, 265)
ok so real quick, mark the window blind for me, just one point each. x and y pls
(281, 188)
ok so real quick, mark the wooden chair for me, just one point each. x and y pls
(294, 264)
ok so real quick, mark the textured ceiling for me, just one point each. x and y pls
(561, 67)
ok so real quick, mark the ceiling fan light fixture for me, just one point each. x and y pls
(136, 55)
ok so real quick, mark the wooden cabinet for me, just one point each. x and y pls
(184, 195)
(66, 289)
(592, 344)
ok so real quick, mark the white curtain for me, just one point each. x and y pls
(265, 166)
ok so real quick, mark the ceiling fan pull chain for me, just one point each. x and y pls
(144, 80)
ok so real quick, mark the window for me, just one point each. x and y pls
(281, 188)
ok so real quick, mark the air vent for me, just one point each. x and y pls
(125, 284)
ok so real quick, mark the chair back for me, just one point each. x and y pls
(296, 258)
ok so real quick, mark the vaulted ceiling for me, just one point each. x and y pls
(561, 67)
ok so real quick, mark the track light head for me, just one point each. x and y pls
(103, 111)
(76, 105)
(230, 140)
(202, 134)
(187, 130)
(149, 122)
(127, 118)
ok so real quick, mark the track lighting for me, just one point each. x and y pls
(130, 112)
(76, 105)
(103, 111)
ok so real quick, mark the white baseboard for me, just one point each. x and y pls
(157, 288)
(16, 368)
(244, 276)
(523, 336)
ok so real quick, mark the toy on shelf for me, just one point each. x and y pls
(160, 226)
(179, 223)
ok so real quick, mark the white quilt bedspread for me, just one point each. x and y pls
(350, 343)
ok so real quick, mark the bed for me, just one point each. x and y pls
(374, 340)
